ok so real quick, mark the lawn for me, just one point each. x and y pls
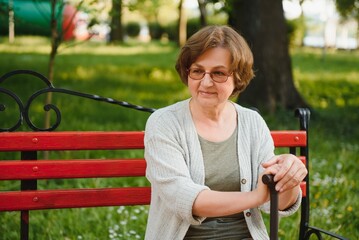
(144, 74)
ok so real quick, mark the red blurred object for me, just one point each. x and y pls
(69, 22)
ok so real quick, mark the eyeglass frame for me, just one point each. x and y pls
(210, 74)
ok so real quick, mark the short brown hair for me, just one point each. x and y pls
(218, 36)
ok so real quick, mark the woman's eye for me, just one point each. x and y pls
(219, 73)
(197, 71)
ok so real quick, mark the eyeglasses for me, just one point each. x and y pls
(216, 76)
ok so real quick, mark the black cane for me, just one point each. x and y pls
(268, 180)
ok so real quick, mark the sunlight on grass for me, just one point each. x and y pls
(84, 74)
(117, 49)
(327, 80)
(327, 75)
(26, 45)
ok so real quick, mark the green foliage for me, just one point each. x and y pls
(193, 25)
(156, 30)
(172, 31)
(148, 8)
(348, 8)
(295, 31)
(133, 29)
(144, 74)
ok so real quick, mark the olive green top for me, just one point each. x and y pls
(221, 164)
(221, 174)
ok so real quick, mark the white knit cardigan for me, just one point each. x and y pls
(176, 171)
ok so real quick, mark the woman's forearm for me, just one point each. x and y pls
(214, 203)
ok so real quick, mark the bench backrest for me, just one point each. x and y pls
(29, 169)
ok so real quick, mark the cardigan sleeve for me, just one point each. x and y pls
(167, 169)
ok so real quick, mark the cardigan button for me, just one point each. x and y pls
(243, 181)
(248, 214)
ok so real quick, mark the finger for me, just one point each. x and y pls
(283, 169)
(287, 162)
(291, 180)
(273, 169)
(292, 171)
(288, 175)
(285, 182)
(270, 162)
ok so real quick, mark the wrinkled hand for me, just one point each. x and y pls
(288, 170)
(262, 189)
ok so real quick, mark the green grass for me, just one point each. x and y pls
(144, 74)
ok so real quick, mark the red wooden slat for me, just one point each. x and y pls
(27, 141)
(32, 141)
(289, 138)
(53, 199)
(49, 169)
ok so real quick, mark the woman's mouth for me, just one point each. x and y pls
(205, 93)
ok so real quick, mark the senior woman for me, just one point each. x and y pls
(206, 154)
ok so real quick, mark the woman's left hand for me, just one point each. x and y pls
(288, 170)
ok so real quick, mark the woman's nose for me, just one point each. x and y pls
(207, 79)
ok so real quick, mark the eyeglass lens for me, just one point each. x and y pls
(217, 76)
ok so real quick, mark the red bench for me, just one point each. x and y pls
(30, 168)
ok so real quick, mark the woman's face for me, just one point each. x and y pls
(206, 92)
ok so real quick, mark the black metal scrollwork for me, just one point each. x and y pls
(313, 232)
(21, 110)
(320, 233)
(24, 108)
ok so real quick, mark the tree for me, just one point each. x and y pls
(263, 25)
(182, 24)
(348, 8)
(203, 12)
(302, 23)
(116, 34)
(149, 9)
(56, 38)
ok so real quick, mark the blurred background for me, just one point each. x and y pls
(324, 22)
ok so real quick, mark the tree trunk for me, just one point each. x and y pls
(203, 12)
(182, 24)
(11, 22)
(262, 24)
(55, 42)
(116, 34)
